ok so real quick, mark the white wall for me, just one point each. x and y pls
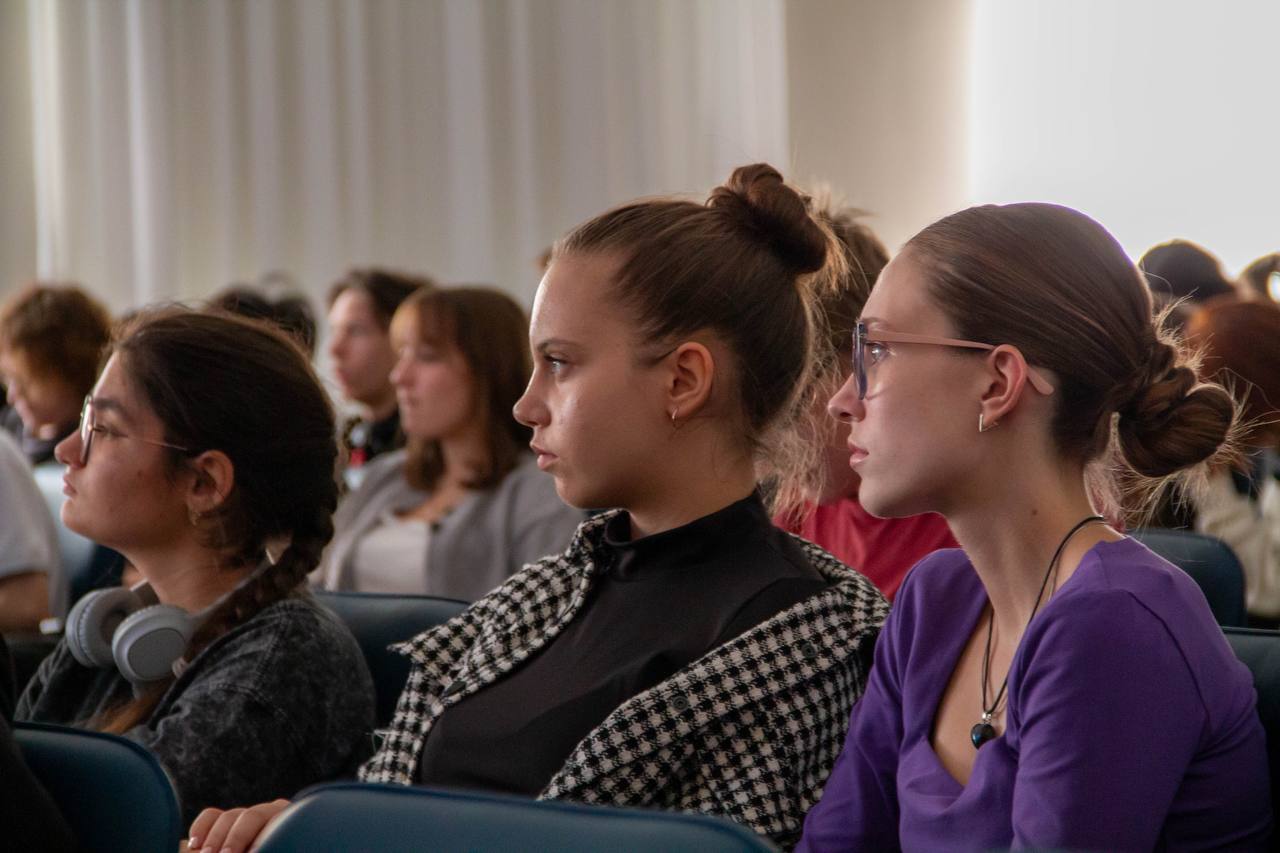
(878, 101)
(1160, 118)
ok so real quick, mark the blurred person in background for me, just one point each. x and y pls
(883, 549)
(1241, 505)
(277, 299)
(464, 506)
(1260, 281)
(29, 567)
(51, 342)
(360, 309)
(1184, 273)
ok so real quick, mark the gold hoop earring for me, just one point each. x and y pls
(983, 426)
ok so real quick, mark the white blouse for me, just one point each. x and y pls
(392, 557)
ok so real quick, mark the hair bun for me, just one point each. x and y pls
(774, 213)
(1171, 420)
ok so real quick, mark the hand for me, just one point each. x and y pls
(235, 830)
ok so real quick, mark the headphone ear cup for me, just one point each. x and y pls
(92, 623)
(148, 642)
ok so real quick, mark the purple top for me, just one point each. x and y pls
(1131, 725)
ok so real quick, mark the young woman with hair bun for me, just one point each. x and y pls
(206, 455)
(682, 652)
(1052, 684)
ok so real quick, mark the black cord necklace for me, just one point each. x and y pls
(982, 730)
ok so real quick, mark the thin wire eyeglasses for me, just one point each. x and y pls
(861, 337)
(88, 427)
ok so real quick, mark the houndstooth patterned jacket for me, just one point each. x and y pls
(749, 731)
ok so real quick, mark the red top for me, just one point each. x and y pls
(883, 549)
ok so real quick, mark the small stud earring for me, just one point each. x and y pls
(194, 517)
(983, 426)
(674, 412)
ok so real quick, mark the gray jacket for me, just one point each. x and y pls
(485, 540)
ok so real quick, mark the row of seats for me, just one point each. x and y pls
(116, 796)
(83, 771)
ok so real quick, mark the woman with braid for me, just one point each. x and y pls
(206, 455)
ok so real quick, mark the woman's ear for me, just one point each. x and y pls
(1007, 371)
(214, 477)
(692, 377)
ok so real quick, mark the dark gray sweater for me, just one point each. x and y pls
(281, 702)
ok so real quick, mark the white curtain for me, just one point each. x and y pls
(179, 146)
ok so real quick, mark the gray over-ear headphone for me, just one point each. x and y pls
(132, 630)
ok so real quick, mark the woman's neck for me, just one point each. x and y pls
(695, 496)
(464, 455)
(1010, 535)
(188, 575)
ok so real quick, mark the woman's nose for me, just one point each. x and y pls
(844, 405)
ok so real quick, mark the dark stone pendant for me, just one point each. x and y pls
(981, 733)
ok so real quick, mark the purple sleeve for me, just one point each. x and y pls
(1106, 721)
(859, 807)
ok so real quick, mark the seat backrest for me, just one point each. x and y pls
(1260, 651)
(394, 818)
(113, 793)
(86, 565)
(377, 620)
(1210, 562)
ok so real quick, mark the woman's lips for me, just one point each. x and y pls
(856, 455)
(545, 459)
(67, 488)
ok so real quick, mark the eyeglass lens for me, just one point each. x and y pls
(859, 366)
(86, 430)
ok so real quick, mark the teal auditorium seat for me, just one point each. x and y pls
(377, 620)
(113, 793)
(1210, 562)
(398, 819)
(1260, 651)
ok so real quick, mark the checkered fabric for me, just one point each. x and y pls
(749, 731)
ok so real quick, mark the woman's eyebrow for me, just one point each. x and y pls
(107, 404)
(554, 343)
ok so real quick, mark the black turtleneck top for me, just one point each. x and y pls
(660, 603)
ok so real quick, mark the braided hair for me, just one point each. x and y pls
(242, 387)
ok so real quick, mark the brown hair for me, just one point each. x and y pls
(386, 289)
(1241, 344)
(744, 265)
(838, 312)
(1255, 278)
(865, 256)
(491, 332)
(60, 329)
(290, 310)
(220, 382)
(1054, 283)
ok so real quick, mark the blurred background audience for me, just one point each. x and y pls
(464, 506)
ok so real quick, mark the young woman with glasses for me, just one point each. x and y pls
(682, 653)
(206, 455)
(1052, 684)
